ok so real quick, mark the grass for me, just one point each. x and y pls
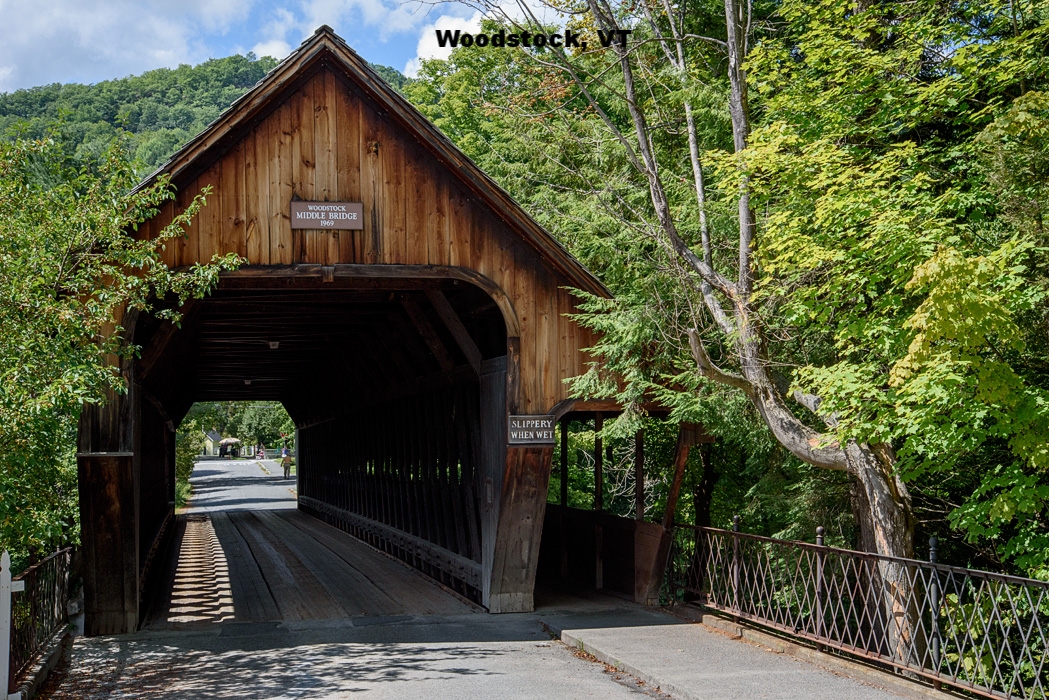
(183, 492)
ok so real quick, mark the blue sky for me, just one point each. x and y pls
(88, 41)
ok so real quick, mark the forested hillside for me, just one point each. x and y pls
(162, 108)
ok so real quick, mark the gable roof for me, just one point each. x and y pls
(326, 49)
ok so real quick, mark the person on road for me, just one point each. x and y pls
(285, 461)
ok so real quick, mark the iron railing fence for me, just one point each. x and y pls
(39, 611)
(975, 630)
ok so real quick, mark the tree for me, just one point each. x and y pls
(265, 422)
(869, 314)
(252, 421)
(71, 269)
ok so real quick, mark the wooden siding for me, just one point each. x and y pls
(328, 141)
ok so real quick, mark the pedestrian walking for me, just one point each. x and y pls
(285, 461)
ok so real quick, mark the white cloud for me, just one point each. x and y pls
(428, 46)
(274, 34)
(276, 48)
(78, 40)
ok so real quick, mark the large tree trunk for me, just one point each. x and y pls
(886, 523)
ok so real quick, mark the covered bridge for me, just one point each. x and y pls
(397, 302)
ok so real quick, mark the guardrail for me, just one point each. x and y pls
(983, 632)
(38, 611)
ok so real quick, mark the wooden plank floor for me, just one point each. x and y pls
(271, 565)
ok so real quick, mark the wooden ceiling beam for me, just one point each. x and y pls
(455, 326)
(428, 333)
(163, 338)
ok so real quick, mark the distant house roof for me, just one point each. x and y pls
(213, 435)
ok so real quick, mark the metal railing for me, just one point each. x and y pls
(983, 632)
(39, 611)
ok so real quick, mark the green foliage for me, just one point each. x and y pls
(898, 164)
(392, 76)
(265, 422)
(70, 265)
(251, 421)
(189, 445)
(162, 108)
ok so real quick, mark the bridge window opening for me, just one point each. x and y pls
(607, 511)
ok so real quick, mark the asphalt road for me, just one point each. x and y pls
(240, 484)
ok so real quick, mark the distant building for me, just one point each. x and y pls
(211, 442)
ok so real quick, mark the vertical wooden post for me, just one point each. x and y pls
(564, 462)
(652, 540)
(599, 454)
(599, 503)
(109, 493)
(639, 475)
(7, 587)
(686, 437)
(492, 473)
(110, 545)
(520, 517)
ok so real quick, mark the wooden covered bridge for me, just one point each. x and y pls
(407, 313)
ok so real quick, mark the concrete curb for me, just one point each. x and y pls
(44, 664)
(570, 638)
(836, 664)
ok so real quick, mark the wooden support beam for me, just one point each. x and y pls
(455, 326)
(688, 435)
(428, 333)
(599, 453)
(564, 463)
(639, 475)
(652, 540)
(520, 518)
(162, 338)
(109, 525)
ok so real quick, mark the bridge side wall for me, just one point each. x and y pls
(404, 477)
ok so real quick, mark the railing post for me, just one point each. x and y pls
(934, 606)
(735, 565)
(6, 588)
(5, 621)
(820, 594)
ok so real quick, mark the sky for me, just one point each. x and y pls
(87, 41)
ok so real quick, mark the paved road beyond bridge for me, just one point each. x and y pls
(265, 602)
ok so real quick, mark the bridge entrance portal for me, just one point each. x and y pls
(401, 336)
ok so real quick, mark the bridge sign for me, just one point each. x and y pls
(330, 215)
(530, 430)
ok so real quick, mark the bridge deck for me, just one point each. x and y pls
(275, 563)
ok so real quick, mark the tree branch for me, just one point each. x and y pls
(711, 371)
(812, 402)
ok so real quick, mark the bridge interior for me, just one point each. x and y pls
(243, 554)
